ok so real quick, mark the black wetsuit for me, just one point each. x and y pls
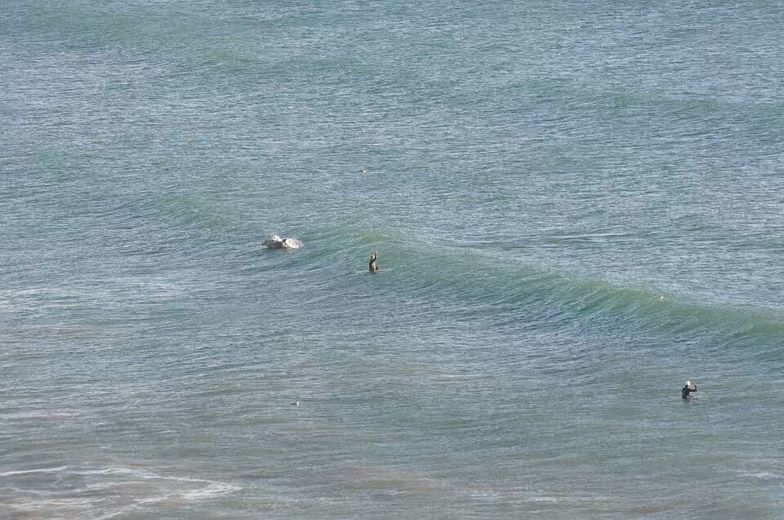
(686, 390)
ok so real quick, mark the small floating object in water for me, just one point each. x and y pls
(296, 403)
(275, 242)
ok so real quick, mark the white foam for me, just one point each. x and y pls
(764, 475)
(36, 415)
(214, 489)
(113, 491)
(33, 471)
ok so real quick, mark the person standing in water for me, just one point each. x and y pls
(687, 389)
(373, 263)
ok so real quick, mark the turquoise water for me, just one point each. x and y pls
(577, 207)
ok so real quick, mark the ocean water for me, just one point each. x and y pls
(577, 207)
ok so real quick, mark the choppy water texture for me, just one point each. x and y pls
(577, 207)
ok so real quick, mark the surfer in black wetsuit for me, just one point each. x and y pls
(687, 389)
(373, 263)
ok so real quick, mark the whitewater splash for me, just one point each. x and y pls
(275, 242)
(101, 492)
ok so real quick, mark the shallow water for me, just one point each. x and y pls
(576, 209)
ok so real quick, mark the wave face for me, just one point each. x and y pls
(576, 208)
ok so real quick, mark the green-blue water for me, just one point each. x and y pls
(577, 206)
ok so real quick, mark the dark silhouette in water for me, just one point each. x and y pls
(687, 389)
(373, 263)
